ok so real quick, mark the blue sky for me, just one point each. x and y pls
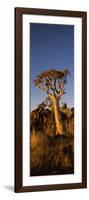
(51, 47)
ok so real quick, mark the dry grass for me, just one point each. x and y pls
(51, 155)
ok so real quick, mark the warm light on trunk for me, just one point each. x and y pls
(58, 120)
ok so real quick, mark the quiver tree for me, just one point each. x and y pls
(52, 82)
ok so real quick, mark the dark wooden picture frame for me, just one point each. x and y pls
(19, 99)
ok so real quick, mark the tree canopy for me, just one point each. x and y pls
(52, 81)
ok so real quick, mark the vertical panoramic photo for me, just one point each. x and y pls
(51, 99)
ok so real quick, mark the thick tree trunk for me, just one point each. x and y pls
(58, 119)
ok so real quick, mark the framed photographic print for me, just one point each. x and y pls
(50, 99)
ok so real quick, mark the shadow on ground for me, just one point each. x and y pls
(9, 187)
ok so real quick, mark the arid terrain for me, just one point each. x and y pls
(50, 153)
